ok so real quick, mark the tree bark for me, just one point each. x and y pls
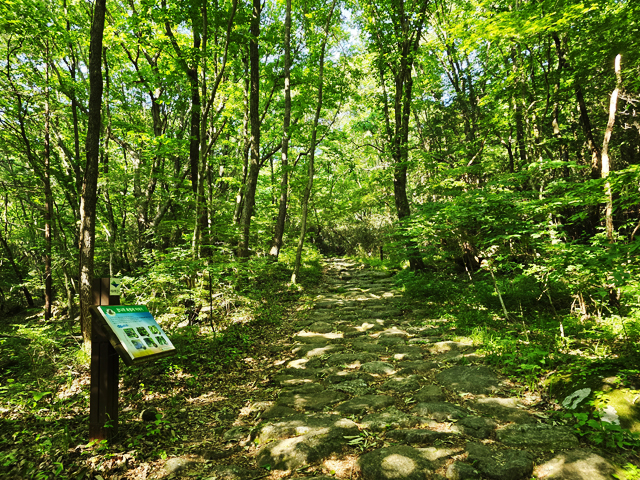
(48, 202)
(613, 105)
(276, 243)
(409, 40)
(192, 75)
(90, 182)
(254, 118)
(312, 150)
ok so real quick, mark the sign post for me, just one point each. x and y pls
(117, 331)
(103, 400)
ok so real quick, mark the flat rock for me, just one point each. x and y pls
(439, 411)
(346, 376)
(232, 472)
(300, 424)
(236, 434)
(352, 387)
(429, 394)
(401, 384)
(448, 346)
(393, 332)
(365, 403)
(418, 366)
(292, 380)
(277, 411)
(351, 358)
(378, 368)
(327, 304)
(478, 427)
(537, 436)
(312, 373)
(313, 443)
(465, 379)
(398, 463)
(302, 389)
(407, 356)
(504, 410)
(579, 464)
(407, 349)
(500, 464)
(176, 465)
(390, 340)
(311, 401)
(416, 436)
(369, 347)
(316, 350)
(390, 418)
(462, 471)
(320, 327)
(309, 337)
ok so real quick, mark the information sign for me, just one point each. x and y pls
(134, 333)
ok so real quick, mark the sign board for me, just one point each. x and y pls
(114, 286)
(133, 332)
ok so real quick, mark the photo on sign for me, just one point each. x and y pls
(131, 333)
(142, 331)
(161, 340)
(154, 330)
(138, 345)
(150, 342)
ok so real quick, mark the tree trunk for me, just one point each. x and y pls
(312, 150)
(254, 118)
(90, 182)
(409, 40)
(276, 243)
(48, 202)
(613, 105)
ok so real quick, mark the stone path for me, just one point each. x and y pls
(373, 391)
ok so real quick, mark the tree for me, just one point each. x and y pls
(395, 30)
(90, 182)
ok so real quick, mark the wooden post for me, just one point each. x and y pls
(103, 401)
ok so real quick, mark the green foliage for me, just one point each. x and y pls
(602, 434)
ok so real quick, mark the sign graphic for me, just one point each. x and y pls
(135, 334)
(114, 286)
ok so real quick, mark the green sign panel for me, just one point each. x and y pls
(134, 333)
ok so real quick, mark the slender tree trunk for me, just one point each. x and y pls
(48, 205)
(408, 43)
(613, 105)
(90, 182)
(276, 243)
(201, 205)
(254, 117)
(312, 150)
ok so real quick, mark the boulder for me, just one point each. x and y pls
(390, 418)
(579, 464)
(397, 463)
(537, 436)
(478, 380)
(439, 411)
(500, 464)
(365, 403)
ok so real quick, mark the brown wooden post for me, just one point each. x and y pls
(103, 401)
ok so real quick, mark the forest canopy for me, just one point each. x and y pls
(458, 135)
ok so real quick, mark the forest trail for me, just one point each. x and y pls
(373, 389)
